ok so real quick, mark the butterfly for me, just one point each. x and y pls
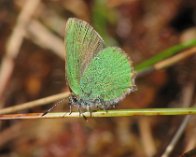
(98, 76)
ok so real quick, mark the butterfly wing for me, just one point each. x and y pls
(82, 43)
(109, 76)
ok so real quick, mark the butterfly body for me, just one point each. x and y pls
(93, 104)
(98, 76)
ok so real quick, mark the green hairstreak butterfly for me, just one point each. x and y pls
(98, 76)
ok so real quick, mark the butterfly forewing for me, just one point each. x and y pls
(82, 43)
(109, 76)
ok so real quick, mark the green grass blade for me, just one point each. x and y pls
(164, 55)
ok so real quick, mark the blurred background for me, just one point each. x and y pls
(32, 66)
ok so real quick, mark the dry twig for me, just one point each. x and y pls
(15, 42)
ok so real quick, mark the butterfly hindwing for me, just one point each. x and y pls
(82, 43)
(108, 76)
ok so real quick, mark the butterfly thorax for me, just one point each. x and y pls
(92, 104)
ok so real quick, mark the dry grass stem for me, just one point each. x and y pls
(15, 42)
(39, 102)
(40, 35)
(187, 98)
(172, 60)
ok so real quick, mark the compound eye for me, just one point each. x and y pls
(74, 99)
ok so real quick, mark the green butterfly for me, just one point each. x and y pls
(98, 76)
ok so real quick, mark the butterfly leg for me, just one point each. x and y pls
(70, 108)
(89, 110)
(105, 108)
(80, 112)
(102, 104)
(114, 105)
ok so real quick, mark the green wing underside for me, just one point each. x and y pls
(108, 76)
(82, 43)
(94, 72)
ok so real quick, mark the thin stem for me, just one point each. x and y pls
(109, 113)
(172, 60)
(165, 54)
(178, 134)
(187, 98)
(39, 102)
